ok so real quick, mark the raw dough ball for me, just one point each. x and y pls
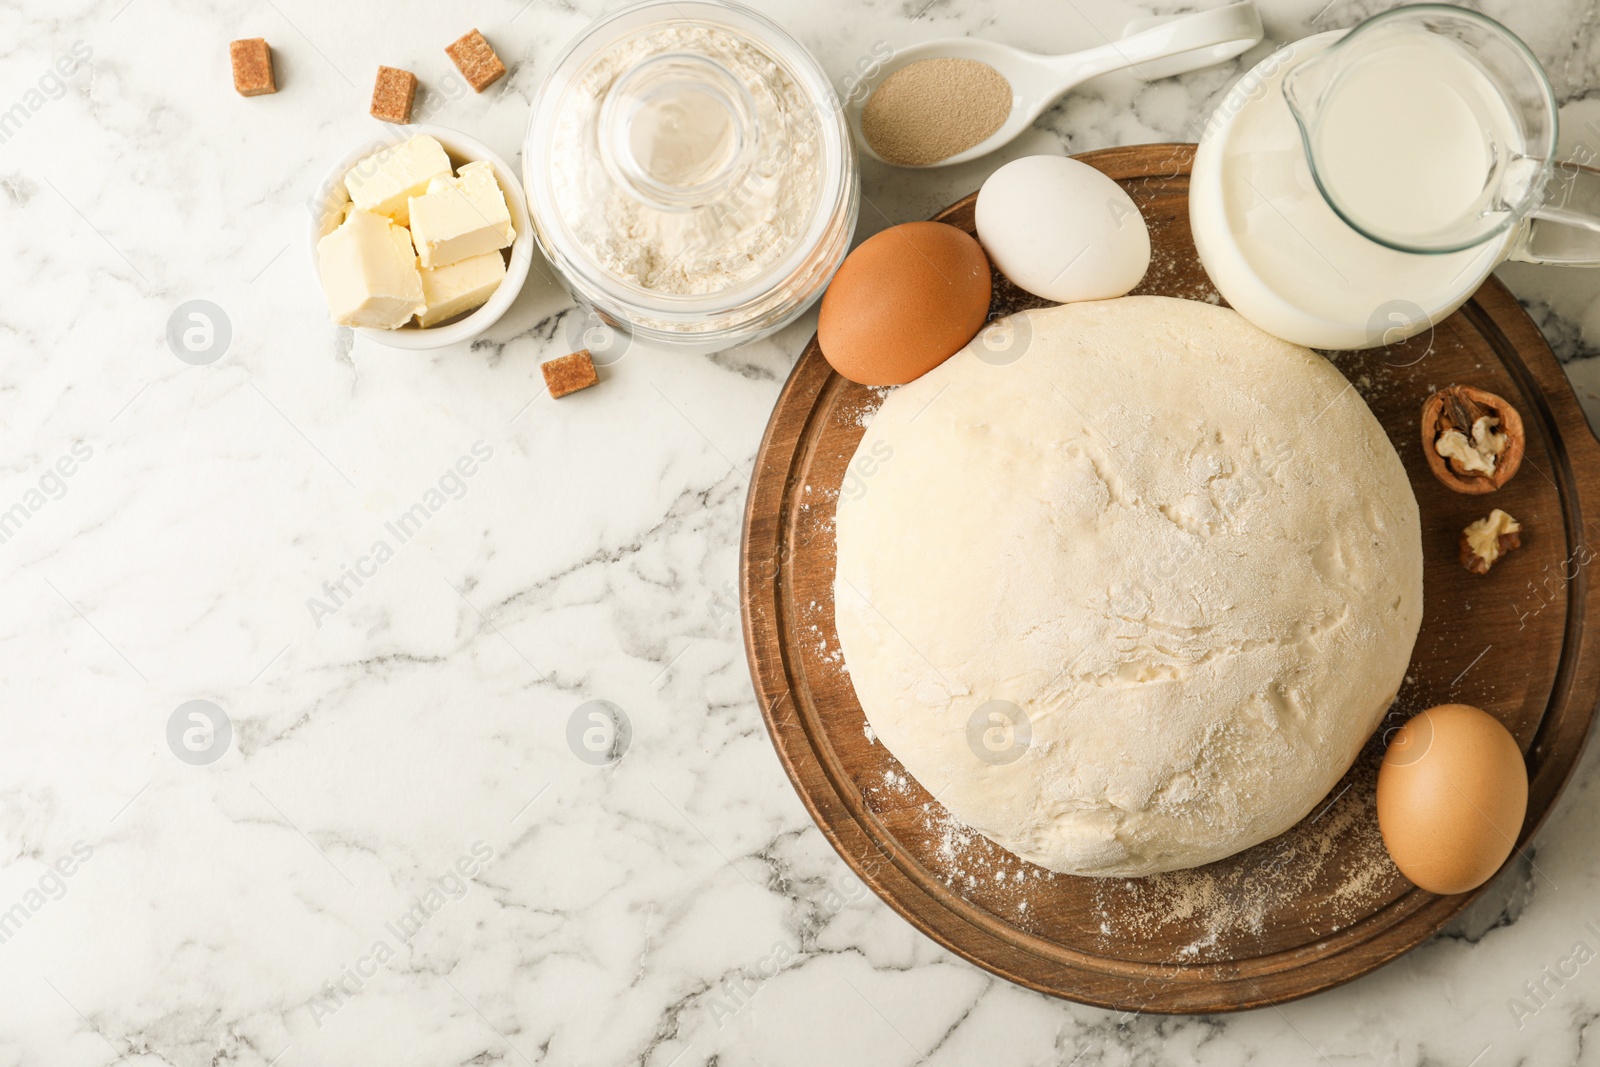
(1130, 590)
(1062, 230)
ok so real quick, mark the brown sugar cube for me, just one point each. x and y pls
(476, 61)
(392, 95)
(568, 374)
(252, 67)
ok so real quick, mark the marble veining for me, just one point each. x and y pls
(407, 852)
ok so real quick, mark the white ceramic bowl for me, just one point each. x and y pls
(327, 205)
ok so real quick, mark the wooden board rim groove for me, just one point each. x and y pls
(1571, 510)
(855, 831)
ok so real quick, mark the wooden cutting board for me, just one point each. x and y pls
(1320, 904)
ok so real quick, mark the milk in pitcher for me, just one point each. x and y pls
(1403, 142)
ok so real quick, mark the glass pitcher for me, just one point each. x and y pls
(1432, 129)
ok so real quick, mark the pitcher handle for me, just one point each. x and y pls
(1565, 229)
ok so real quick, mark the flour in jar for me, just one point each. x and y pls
(688, 181)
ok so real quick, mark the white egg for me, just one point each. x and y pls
(1062, 230)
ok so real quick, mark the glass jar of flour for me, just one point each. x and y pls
(690, 173)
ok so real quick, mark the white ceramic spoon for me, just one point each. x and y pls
(1152, 47)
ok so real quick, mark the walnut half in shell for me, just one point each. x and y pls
(1473, 440)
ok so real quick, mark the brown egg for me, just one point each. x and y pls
(1452, 792)
(903, 302)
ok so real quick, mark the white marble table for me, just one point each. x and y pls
(397, 859)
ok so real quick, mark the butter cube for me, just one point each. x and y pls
(460, 217)
(369, 272)
(460, 286)
(385, 181)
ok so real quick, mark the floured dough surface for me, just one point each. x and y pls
(1134, 600)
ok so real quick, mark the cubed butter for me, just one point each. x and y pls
(369, 272)
(460, 217)
(385, 182)
(459, 287)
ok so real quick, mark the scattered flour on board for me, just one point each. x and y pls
(820, 522)
(1335, 859)
(979, 870)
(1172, 274)
(864, 415)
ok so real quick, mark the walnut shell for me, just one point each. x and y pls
(1434, 411)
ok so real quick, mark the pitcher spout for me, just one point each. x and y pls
(1306, 86)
